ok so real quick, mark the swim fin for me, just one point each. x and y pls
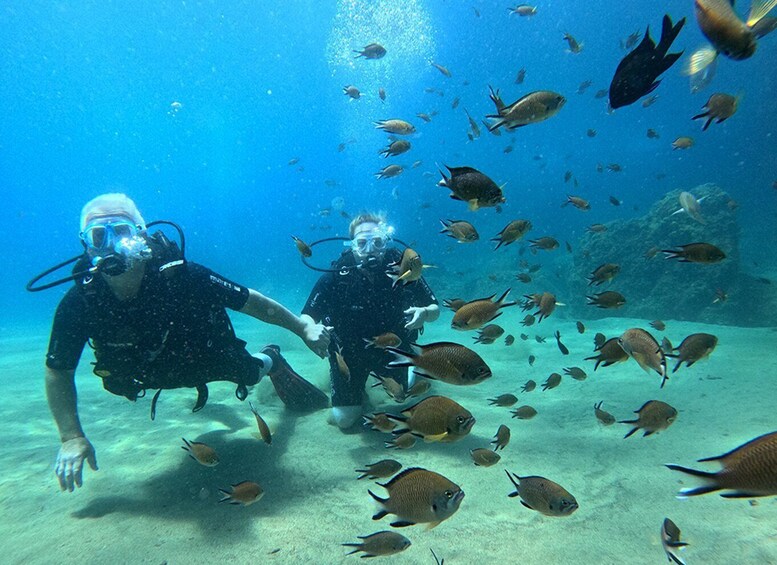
(295, 392)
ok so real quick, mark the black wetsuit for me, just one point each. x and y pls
(174, 333)
(360, 303)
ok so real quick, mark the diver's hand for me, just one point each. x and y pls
(70, 462)
(418, 316)
(316, 336)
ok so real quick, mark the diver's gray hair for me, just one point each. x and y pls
(366, 217)
(111, 204)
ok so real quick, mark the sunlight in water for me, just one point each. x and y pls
(404, 29)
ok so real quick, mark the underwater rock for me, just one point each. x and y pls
(659, 287)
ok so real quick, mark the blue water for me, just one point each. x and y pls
(196, 108)
(87, 89)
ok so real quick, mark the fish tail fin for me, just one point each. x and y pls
(496, 99)
(445, 178)
(671, 253)
(700, 60)
(380, 500)
(497, 124)
(358, 547)
(227, 496)
(711, 478)
(669, 33)
(512, 480)
(631, 432)
(403, 358)
(759, 9)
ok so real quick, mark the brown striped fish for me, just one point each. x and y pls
(645, 350)
(502, 437)
(201, 453)
(653, 416)
(380, 544)
(694, 348)
(379, 470)
(418, 496)
(445, 361)
(748, 471)
(264, 429)
(245, 493)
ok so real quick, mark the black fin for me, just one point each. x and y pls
(295, 392)
(669, 33)
(402, 524)
(153, 404)
(202, 397)
(694, 472)
(739, 494)
(712, 477)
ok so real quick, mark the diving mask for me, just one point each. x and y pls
(115, 244)
(370, 242)
(103, 233)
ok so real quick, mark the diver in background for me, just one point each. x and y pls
(156, 321)
(356, 298)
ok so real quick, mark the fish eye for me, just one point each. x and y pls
(460, 419)
(448, 494)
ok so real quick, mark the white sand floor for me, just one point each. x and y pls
(151, 503)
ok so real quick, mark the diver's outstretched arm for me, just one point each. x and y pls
(263, 308)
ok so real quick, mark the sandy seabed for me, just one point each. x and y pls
(151, 503)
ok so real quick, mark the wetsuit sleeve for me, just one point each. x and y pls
(214, 288)
(69, 333)
(318, 304)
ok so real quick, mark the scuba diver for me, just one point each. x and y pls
(357, 300)
(156, 321)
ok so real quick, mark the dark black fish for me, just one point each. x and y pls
(561, 346)
(638, 72)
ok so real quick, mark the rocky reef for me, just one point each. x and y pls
(656, 287)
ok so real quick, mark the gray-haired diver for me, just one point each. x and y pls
(155, 321)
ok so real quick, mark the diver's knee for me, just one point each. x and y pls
(345, 416)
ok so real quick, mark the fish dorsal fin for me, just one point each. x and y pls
(758, 10)
(410, 409)
(399, 476)
(461, 170)
(646, 43)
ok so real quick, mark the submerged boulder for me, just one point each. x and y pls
(657, 287)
